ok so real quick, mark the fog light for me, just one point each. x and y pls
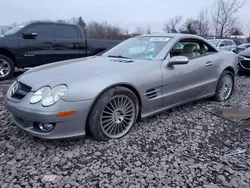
(46, 127)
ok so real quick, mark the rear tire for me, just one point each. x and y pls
(7, 67)
(113, 114)
(225, 86)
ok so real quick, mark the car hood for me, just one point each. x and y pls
(66, 72)
(245, 52)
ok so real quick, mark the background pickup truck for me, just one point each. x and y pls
(40, 43)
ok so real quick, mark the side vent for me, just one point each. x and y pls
(122, 60)
(151, 93)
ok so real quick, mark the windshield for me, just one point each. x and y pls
(244, 45)
(13, 30)
(143, 47)
(215, 42)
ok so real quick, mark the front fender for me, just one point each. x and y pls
(91, 88)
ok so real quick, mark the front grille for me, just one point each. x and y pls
(245, 64)
(21, 122)
(22, 91)
(248, 57)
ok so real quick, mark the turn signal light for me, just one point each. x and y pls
(65, 113)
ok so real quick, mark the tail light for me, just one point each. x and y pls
(241, 49)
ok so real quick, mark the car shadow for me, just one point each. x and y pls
(246, 74)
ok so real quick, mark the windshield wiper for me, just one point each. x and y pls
(119, 56)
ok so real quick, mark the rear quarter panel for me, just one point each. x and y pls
(226, 59)
(222, 61)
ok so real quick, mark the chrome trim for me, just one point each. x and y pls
(248, 59)
(245, 59)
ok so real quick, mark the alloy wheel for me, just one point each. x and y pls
(4, 68)
(226, 87)
(118, 116)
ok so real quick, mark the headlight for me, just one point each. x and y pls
(49, 96)
(38, 95)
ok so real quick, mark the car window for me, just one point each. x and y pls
(143, 47)
(228, 43)
(64, 32)
(202, 49)
(178, 46)
(13, 30)
(42, 30)
(223, 43)
(237, 42)
(232, 42)
(215, 42)
(244, 45)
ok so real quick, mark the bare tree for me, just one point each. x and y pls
(4, 28)
(171, 25)
(96, 30)
(236, 29)
(224, 14)
(82, 24)
(199, 26)
(236, 32)
(248, 32)
(148, 29)
(139, 30)
(62, 21)
(203, 23)
(190, 26)
(74, 20)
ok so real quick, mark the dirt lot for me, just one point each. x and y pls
(184, 147)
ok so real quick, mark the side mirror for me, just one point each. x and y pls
(221, 45)
(29, 35)
(178, 60)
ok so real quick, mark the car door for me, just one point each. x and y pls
(69, 44)
(229, 45)
(183, 83)
(233, 46)
(35, 45)
(223, 45)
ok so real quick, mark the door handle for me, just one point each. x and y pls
(209, 63)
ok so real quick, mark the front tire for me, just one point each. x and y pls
(7, 68)
(113, 114)
(224, 87)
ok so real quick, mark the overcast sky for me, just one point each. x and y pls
(126, 13)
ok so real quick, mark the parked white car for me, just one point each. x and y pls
(224, 44)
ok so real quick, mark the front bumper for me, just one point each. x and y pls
(27, 116)
(244, 64)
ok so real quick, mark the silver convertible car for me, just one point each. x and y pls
(104, 95)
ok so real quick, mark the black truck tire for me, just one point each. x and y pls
(6, 63)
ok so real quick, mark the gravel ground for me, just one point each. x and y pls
(184, 147)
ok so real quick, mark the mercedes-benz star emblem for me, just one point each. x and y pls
(14, 89)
